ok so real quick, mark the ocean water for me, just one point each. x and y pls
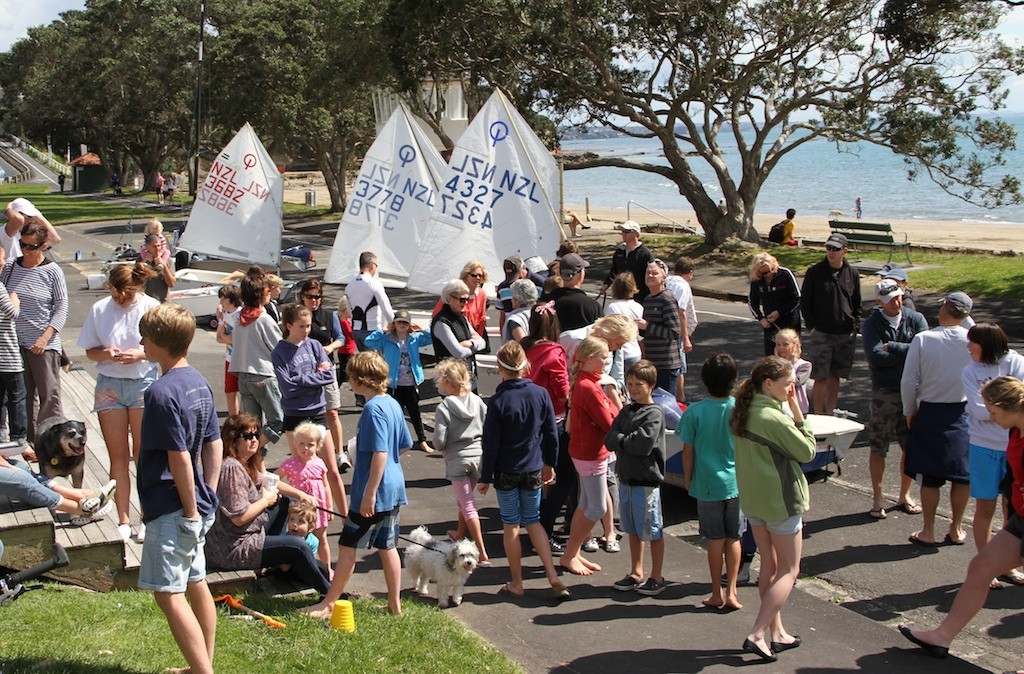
(814, 179)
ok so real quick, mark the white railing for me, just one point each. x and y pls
(674, 223)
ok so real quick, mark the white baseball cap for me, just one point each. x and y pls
(25, 207)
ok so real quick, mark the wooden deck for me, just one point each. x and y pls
(100, 560)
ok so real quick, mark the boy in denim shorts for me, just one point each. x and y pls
(378, 483)
(179, 428)
(637, 437)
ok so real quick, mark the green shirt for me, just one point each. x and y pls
(705, 426)
(768, 457)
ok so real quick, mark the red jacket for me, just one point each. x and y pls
(590, 418)
(547, 370)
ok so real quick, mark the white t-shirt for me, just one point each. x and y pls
(230, 323)
(10, 244)
(109, 325)
(680, 289)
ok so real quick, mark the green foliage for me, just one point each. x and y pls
(65, 630)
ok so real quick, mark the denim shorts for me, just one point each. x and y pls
(988, 468)
(787, 527)
(719, 519)
(519, 507)
(640, 511)
(121, 394)
(19, 482)
(379, 531)
(173, 554)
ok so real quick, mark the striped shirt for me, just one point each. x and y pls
(662, 335)
(44, 301)
(10, 354)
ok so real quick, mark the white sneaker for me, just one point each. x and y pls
(125, 531)
(344, 463)
(101, 502)
(140, 533)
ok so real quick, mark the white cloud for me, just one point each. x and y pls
(17, 16)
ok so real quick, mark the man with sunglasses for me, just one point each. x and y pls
(18, 213)
(831, 304)
(633, 256)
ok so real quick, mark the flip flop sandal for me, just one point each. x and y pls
(504, 589)
(1015, 577)
(909, 508)
(877, 513)
(924, 544)
(949, 540)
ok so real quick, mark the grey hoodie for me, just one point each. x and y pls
(458, 427)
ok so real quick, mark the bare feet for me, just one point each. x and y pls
(714, 601)
(424, 447)
(177, 670)
(319, 611)
(732, 603)
(455, 535)
(579, 566)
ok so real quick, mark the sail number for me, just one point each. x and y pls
(470, 201)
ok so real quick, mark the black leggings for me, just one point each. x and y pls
(409, 398)
(281, 549)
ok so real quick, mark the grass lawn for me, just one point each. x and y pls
(62, 629)
(977, 274)
(62, 209)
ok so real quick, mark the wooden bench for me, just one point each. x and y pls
(871, 234)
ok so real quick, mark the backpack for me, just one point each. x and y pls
(777, 231)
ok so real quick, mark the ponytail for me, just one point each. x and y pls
(770, 367)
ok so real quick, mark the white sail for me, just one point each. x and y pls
(499, 198)
(238, 208)
(391, 203)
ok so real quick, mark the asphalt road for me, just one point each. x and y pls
(850, 560)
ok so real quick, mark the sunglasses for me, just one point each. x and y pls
(834, 249)
(461, 299)
(33, 246)
(477, 275)
(313, 297)
(251, 435)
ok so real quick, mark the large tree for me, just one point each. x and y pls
(766, 76)
(115, 76)
(301, 72)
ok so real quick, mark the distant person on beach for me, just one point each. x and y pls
(631, 255)
(369, 303)
(857, 208)
(934, 405)
(830, 304)
(886, 336)
(169, 187)
(774, 298)
(574, 222)
(788, 227)
(158, 185)
(574, 307)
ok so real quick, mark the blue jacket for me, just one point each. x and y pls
(388, 345)
(887, 364)
(520, 435)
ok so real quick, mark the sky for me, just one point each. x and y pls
(16, 16)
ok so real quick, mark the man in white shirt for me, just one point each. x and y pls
(367, 300)
(679, 285)
(20, 212)
(934, 405)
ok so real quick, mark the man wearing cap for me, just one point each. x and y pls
(896, 273)
(574, 308)
(20, 212)
(633, 256)
(935, 409)
(886, 334)
(515, 269)
(830, 304)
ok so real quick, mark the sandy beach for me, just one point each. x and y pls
(943, 234)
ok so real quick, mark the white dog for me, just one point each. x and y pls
(449, 564)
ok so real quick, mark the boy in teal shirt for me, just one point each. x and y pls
(709, 474)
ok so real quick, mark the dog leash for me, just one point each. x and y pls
(429, 546)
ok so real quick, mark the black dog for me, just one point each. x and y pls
(60, 448)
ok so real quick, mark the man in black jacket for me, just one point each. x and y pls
(633, 256)
(830, 304)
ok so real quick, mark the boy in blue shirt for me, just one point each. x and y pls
(378, 483)
(178, 498)
(637, 437)
(709, 474)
